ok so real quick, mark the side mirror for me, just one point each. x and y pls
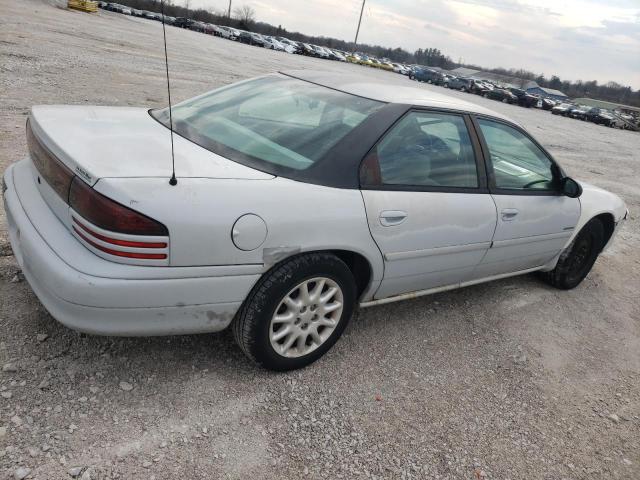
(570, 187)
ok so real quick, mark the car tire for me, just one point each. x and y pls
(462, 89)
(279, 295)
(486, 95)
(578, 258)
(505, 100)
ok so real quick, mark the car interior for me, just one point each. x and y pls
(428, 150)
(292, 125)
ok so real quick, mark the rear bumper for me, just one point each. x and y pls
(130, 300)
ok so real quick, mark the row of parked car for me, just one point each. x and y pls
(520, 97)
(230, 33)
(419, 73)
(597, 115)
(493, 91)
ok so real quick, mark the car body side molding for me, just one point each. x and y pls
(445, 288)
(427, 252)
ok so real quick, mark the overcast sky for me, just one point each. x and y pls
(575, 39)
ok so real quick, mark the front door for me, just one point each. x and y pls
(427, 204)
(535, 220)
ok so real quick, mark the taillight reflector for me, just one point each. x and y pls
(109, 214)
(116, 241)
(118, 253)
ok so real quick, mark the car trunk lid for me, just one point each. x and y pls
(100, 142)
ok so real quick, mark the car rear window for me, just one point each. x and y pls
(270, 121)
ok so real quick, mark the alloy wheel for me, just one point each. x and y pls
(306, 317)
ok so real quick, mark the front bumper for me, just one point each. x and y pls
(125, 300)
(616, 230)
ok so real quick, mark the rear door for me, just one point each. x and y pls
(427, 203)
(534, 219)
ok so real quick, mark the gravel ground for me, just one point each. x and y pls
(508, 380)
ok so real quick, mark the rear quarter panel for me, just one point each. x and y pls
(200, 214)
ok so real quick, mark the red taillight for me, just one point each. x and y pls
(110, 215)
(50, 168)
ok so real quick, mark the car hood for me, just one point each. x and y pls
(99, 142)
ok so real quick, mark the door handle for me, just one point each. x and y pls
(390, 218)
(509, 214)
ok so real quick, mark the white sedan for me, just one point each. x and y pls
(300, 196)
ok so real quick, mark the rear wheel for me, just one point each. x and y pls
(578, 259)
(296, 312)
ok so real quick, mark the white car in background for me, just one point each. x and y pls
(272, 43)
(228, 33)
(299, 196)
(401, 69)
(289, 48)
(285, 41)
(275, 44)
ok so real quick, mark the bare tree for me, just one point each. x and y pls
(244, 14)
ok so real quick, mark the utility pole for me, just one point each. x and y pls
(358, 30)
(229, 11)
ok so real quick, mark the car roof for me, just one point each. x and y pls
(389, 91)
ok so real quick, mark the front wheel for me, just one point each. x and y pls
(296, 312)
(578, 258)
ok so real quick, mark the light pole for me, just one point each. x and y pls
(358, 30)
(229, 11)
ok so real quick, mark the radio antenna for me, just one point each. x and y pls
(173, 180)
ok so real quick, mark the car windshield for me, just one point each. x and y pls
(269, 122)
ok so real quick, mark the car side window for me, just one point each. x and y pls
(518, 163)
(424, 149)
